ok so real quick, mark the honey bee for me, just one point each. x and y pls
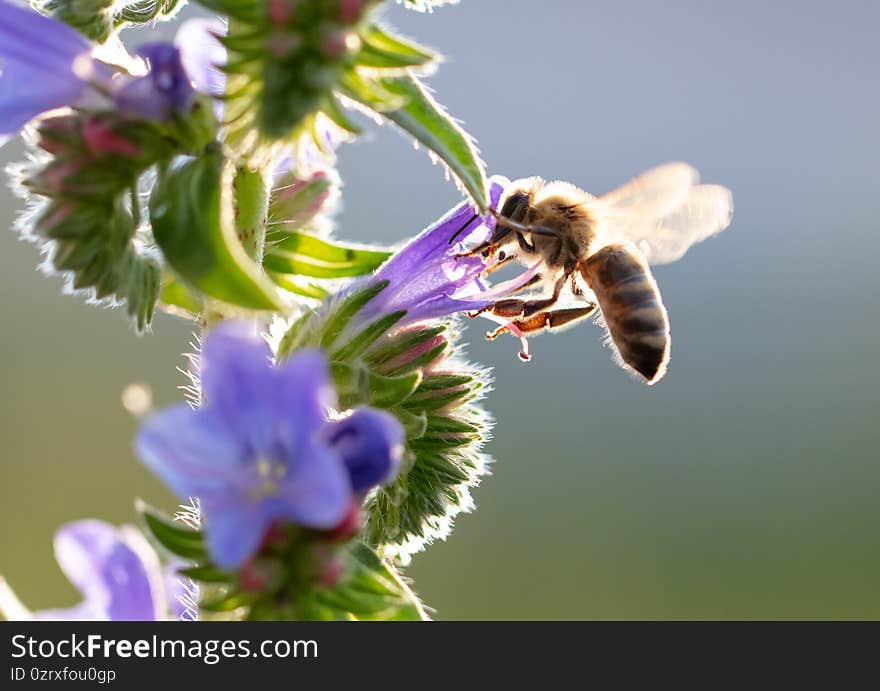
(593, 254)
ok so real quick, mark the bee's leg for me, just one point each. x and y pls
(514, 308)
(524, 244)
(551, 319)
(525, 286)
(488, 247)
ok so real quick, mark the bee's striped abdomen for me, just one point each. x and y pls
(634, 313)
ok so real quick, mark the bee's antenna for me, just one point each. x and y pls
(535, 230)
(461, 230)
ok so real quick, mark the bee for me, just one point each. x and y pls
(593, 256)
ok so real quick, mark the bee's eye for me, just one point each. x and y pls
(501, 256)
(516, 206)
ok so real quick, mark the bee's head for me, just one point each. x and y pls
(515, 205)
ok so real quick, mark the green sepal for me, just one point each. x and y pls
(369, 92)
(399, 344)
(434, 400)
(306, 290)
(414, 424)
(188, 219)
(422, 360)
(367, 336)
(334, 110)
(206, 573)
(307, 255)
(346, 309)
(227, 602)
(387, 392)
(383, 50)
(147, 11)
(92, 18)
(182, 542)
(369, 590)
(176, 295)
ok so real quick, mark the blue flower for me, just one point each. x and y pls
(263, 447)
(115, 569)
(428, 279)
(45, 65)
(165, 89)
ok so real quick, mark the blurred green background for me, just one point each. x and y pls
(745, 485)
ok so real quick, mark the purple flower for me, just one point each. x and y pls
(115, 569)
(165, 89)
(203, 55)
(45, 65)
(428, 280)
(262, 448)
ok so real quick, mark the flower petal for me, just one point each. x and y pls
(28, 37)
(193, 451)
(106, 570)
(302, 394)
(26, 91)
(425, 273)
(316, 491)
(163, 91)
(234, 530)
(370, 443)
(202, 54)
(236, 377)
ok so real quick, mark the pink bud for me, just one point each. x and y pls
(331, 568)
(57, 175)
(275, 538)
(337, 42)
(58, 216)
(251, 578)
(280, 10)
(349, 526)
(350, 10)
(54, 132)
(101, 139)
(282, 45)
(416, 352)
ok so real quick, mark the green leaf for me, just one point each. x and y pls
(368, 91)
(429, 124)
(190, 226)
(307, 290)
(307, 255)
(383, 50)
(180, 541)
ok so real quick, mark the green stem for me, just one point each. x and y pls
(251, 210)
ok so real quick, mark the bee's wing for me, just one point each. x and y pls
(664, 211)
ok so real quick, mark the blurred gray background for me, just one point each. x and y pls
(745, 485)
